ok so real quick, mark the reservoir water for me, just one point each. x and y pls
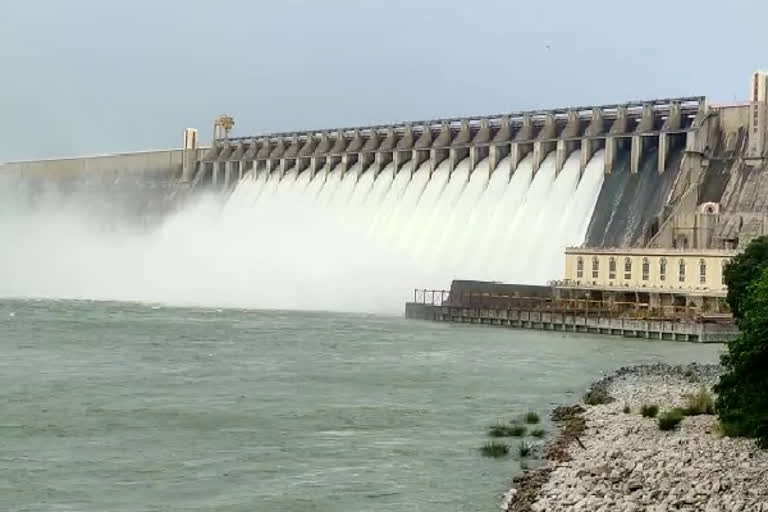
(126, 407)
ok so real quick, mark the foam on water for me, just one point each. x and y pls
(357, 241)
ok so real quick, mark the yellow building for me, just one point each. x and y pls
(654, 269)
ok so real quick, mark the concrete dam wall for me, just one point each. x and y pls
(136, 185)
(494, 198)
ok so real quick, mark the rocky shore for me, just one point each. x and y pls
(607, 460)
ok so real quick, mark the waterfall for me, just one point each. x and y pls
(359, 240)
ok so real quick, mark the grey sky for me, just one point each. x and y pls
(92, 76)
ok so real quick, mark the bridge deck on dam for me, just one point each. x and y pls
(637, 125)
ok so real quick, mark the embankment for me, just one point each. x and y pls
(624, 462)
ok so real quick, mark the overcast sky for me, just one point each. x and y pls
(93, 76)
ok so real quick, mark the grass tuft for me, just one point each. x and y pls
(649, 410)
(669, 420)
(524, 449)
(495, 449)
(531, 417)
(627, 409)
(502, 430)
(538, 432)
(700, 403)
(517, 430)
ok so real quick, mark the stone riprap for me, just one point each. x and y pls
(624, 462)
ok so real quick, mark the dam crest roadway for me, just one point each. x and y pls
(636, 126)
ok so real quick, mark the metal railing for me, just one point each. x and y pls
(586, 307)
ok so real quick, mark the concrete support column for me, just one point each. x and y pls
(459, 151)
(565, 144)
(661, 165)
(610, 153)
(479, 148)
(619, 127)
(544, 143)
(590, 146)
(636, 154)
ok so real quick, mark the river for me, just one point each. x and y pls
(132, 407)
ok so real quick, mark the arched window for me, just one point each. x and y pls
(702, 271)
(595, 267)
(579, 267)
(627, 268)
(663, 269)
(681, 277)
(612, 268)
(646, 270)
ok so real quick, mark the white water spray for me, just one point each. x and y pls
(339, 241)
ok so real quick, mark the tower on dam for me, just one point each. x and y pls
(758, 115)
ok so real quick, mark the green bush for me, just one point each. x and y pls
(700, 403)
(495, 449)
(524, 449)
(741, 273)
(669, 420)
(742, 401)
(538, 432)
(627, 409)
(649, 410)
(531, 417)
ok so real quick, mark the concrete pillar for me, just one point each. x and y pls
(189, 157)
(385, 153)
(610, 153)
(646, 124)
(636, 153)
(404, 150)
(337, 151)
(522, 144)
(421, 149)
(479, 148)
(500, 146)
(544, 142)
(440, 147)
(590, 145)
(319, 155)
(368, 152)
(673, 122)
(619, 127)
(459, 146)
(567, 143)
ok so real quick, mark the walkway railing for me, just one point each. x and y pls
(587, 307)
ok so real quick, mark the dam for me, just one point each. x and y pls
(369, 212)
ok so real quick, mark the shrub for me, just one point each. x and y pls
(597, 397)
(627, 409)
(495, 449)
(531, 417)
(538, 432)
(649, 410)
(700, 403)
(669, 420)
(741, 272)
(742, 402)
(524, 449)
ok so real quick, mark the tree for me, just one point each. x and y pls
(742, 401)
(742, 270)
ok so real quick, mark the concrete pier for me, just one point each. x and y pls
(635, 125)
(574, 322)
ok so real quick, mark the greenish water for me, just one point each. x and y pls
(125, 407)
